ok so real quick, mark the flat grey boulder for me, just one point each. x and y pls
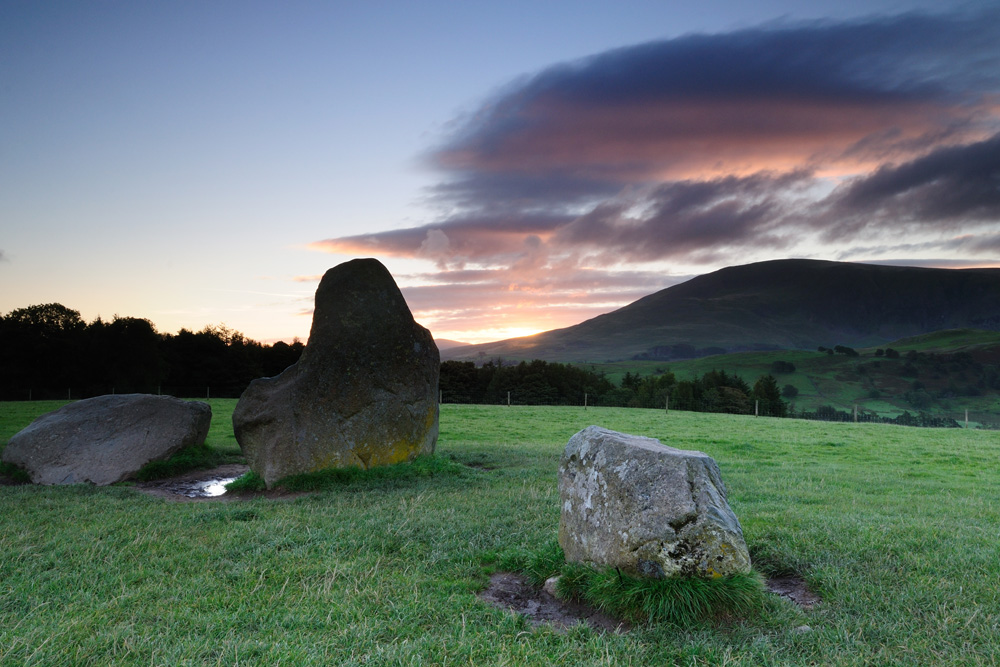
(650, 510)
(364, 392)
(106, 439)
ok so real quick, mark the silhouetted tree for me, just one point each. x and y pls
(766, 392)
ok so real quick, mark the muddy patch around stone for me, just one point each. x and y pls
(209, 485)
(195, 485)
(795, 589)
(513, 592)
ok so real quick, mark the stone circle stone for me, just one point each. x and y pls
(106, 439)
(364, 392)
(650, 510)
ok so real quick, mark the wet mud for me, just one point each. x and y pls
(195, 485)
(512, 591)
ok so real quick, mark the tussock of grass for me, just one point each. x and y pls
(537, 565)
(678, 600)
(189, 458)
(249, 481)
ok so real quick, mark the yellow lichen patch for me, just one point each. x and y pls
(399, 451)
(331, 460)
(431, 420)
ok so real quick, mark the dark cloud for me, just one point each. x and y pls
(901, 57)
(690, 218)
(499, 193)
(745, 100)
(940, 263)
(955, 185)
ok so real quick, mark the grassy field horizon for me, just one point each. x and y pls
(894, 527)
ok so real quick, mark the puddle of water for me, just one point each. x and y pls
(217, 487)
(208, 488)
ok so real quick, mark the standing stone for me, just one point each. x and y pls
(106, 439)
(635, 504)
(364, 393)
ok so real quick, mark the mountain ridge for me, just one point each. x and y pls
(778, 304)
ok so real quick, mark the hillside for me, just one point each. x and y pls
(782, 304)
(944, 374)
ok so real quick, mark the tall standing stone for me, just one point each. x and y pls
(364, 393)
(633, 503)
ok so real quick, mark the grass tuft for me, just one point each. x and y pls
(538, 565)
(678, 600)
(249, 481)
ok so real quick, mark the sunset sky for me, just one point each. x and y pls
(518, 166)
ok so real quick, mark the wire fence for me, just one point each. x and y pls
(855, 413)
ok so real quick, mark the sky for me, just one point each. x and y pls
(517, 166)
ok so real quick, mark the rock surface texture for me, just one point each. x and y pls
(364, 393)
(651, 510)
(106, 439)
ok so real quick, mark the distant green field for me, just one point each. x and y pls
(843, 382)
(896, 528)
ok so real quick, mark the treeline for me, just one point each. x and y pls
(49, 351)
(544, 383)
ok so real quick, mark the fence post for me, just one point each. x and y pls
(855, 413)
(508, 399)
(756, 408)
(967, 418)
(440, 397)
(584, 400)
(69, 394)
(666, 405)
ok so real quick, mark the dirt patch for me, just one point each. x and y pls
(512, 591)
(795, 589)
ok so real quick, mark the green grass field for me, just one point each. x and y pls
(896, 528)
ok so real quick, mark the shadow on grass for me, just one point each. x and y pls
(11, 475)
(422, 467)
